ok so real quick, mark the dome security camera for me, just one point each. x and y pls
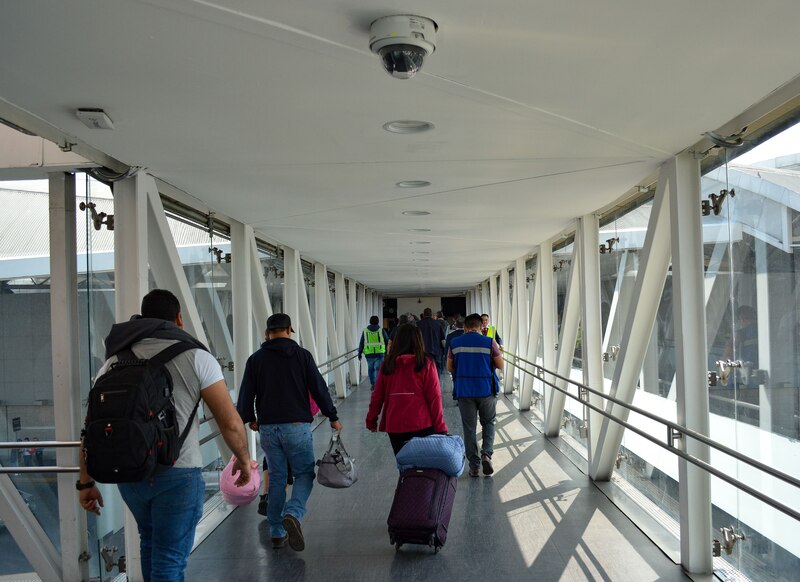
(402, 42)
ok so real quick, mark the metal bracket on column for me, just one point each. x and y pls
(98, 218)
(609, 246)
(714, 202)
(673, 435)
(220, 255)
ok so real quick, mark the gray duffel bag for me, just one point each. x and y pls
(336, 468)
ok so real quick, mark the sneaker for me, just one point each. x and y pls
(278, 543)
(262, 504)
(473, 472)
(296, 541)
(486, 461)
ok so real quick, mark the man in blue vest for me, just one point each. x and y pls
(373, 346)
(472, 359)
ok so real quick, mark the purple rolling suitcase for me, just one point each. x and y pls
(421, 508)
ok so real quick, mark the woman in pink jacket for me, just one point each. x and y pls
(407, 391)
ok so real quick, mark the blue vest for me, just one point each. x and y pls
(472, 357)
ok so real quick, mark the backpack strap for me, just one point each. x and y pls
(165, 356)
(172, 351)
(185, 432)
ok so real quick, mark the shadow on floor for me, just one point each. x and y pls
(537, 518)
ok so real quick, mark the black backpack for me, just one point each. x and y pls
(131, 429)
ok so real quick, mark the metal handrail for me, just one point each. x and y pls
(67, 444)
(674, 428)
(336, 358)
(40, 444)
(37, 468)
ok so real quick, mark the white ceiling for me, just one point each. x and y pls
(272, 112)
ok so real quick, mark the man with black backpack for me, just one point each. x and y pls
(142, 431)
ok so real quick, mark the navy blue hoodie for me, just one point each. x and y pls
(278, 378)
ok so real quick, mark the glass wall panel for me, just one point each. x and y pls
(26, 387)
(752, 319)
(205, 256)
(273, 273)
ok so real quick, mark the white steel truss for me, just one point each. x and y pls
(566, 346)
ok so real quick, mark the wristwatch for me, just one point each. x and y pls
(81, 486)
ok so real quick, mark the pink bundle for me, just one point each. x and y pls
(239, 495)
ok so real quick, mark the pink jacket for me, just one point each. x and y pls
(410, 400)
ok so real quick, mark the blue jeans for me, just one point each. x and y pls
(373, 367)
(167, 509)
(471, 410)
(292, 444)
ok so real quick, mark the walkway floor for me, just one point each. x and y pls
(537, 518)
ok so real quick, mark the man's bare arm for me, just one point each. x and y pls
(230, 424)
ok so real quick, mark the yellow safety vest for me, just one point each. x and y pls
(491, 331)
(373, 342)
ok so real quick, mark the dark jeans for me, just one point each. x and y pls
(373, 367)
(287, 445)
(473, 409)
(398, 439)
(167, 509)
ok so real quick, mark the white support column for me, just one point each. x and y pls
(291, 278)
(352, 331)
(241, 274)
(342, 320)
(66, 371)
(547, 301)
(262, 306)
(690, 359)
(494, 308)
(262, 309)
(321, 311)
(166, 264)
(652, 274)
(363, 318)
(131, 284)
(512, 344)
(534, 333)
(169, 274)
(29, 535)
(566, 344)
(334, 338)
(305, 324)
(503, 322)
(592, 320)
(486, 304)
(764, 352)
(523, 311)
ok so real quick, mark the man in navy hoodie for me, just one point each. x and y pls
(274, 400)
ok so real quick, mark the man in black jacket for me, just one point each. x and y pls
(278, 379)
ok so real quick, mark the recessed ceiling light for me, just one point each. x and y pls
(419, 230)
(416, 212)
(420, 242)
(408, 126)
(421, 260)
(413, 184)
(420, 252)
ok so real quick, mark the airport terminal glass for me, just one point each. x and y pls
(753, 325)
(204, 253)
(26, 353)
(272, 263)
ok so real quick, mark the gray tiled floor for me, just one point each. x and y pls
(538, 518)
